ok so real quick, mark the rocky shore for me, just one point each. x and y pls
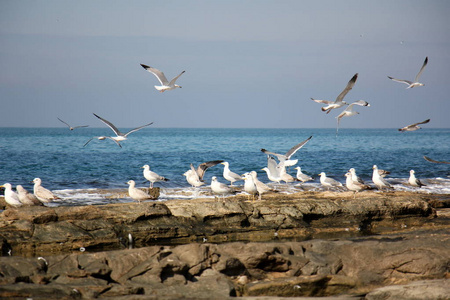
(310, 244)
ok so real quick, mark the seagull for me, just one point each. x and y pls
(152, 176)
(44, 195)
(11, 197)
(355, 177)
(27, 198)
(165, 84)
(195, 176)
(275, 177)
(228, 175)
(301, 176)
(286, 158)
(435, 161)
(328, 182)
(378, 180)
(249, 185)
(137, 194)
(119, 135)
(354, 186)
(413, 180)
(74, 127)
(348, 112)
(339, 100)
(414, 126)
(260, 186)
(101, 138)
(416, 82)
(220, 188)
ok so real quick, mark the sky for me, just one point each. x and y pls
(249, 64)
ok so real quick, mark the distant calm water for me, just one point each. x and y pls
(58, 157)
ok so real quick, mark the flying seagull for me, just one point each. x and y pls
(286, 157)
(165, 84)
(339, 100)
(414, 126)
(74, 127)
(119, 135)
(195, 176)
(348, 112)
(416, 82)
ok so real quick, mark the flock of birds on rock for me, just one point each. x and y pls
(276, 171)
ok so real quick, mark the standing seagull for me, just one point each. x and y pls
(302, 176)
(11, 197)
(416, 82)
(354, 186)
(137, 194)
(413, 180)
(339, 100)
(220, 188)
(165, 84)
(286, 158)
(328, 181)
(348, 112)
(74, 127)
(27, 198)
(261, 187)
(378, 180)
(249, 185)
(228, 175)
(119, 135)
(414, 126)
(152, 176)
(44, 195)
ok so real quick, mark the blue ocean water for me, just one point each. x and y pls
(58, 157)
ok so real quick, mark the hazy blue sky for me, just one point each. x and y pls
(248, 63)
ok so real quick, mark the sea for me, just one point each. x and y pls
(83, 175)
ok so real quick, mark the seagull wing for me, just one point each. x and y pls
(407, 82)
(118, 144)
(81, 126)
(421, 69)
(64, 122)
(322, 101)
(138, 128)
(204, 166)
(423, 122)
(347, 89)
(88, 142)
(160, 75)
(111, 125)
(279, 156)
(172, 82)
(435, 161)
(296, 148)
(361, 103)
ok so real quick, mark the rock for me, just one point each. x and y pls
(417, 290)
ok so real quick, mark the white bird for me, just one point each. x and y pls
(74, 127)
(11, 197)
(27, 198)
(339, 100)
(355, 177)
(229, 175)
(152, 176)
(354, 186)
(378, 180)
(195, 176)
(249, 185)
(119, 135)
(348, 112)
(273, 176)
(416, 82)
(220, 188)
(101, 138)
(260, 186)
(414, 126)
(137, 194)
(44, 195)
(413, 180)
(165, 84)
(286, 158)
(302, 176)
(328, 182)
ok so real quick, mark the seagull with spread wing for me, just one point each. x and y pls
(165, 84)
(414, 126)
(416, 82)
(339, 100)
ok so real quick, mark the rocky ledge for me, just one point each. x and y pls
(377, 246)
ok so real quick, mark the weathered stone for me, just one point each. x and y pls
(417, 290)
